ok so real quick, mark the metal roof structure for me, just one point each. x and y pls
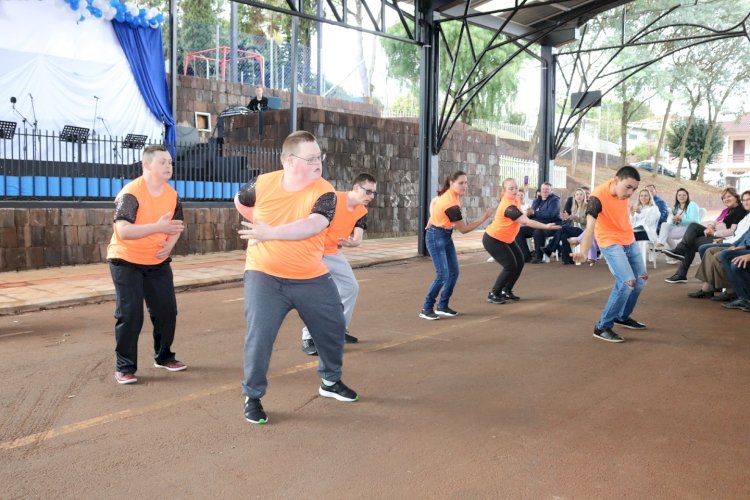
(534, 27)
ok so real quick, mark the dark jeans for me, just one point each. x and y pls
(539, 235)
(443, 253)
(510, 257)
(133, 284)
(738, 277)
(688, 246)
(560, 238)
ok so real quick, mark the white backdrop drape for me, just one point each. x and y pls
(66, 66)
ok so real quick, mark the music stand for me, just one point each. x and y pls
(7, 130)
(76, 135)
(134, 141)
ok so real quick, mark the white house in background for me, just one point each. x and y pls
(646, 131)
(733, 164)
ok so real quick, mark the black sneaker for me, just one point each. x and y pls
(737, 304)
(428, 314)
(445, 311)
(607, 334)
(254, 412)
(308, 347)
(510, 296)
(673, 254)
(350, 339)
(338, 391)
(536, 260)
(677, 278)
(495, 299)
(630, 323)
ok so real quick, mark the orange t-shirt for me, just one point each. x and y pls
(503, 228)
(613, 225)
(342, 224)
(447, 200)
(148, 210)
(301, 259)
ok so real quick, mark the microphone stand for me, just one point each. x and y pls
(96, 115)
(25, 134)
(114, 148)
(34, 130)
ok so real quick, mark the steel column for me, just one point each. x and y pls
(546, 114)
(428, 169)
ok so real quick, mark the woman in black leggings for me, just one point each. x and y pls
(499, 241)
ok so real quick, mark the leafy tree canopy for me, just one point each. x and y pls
(403, 61)
(695, 142)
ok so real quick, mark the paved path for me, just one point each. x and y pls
(64, 286)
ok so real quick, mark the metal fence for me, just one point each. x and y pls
(47, 166)
(526, 172)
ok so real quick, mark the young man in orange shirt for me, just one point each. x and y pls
(346, 230)
(147, 224)
(608, 218)
(290, 210)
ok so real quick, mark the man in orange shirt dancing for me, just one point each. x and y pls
(290, 210)
(608, 218)
(346, 230)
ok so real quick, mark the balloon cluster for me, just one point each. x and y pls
(124, 12)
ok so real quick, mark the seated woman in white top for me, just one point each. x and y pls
(683, 213)
(644, 216)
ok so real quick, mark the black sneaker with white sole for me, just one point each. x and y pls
(254, 412)
(445, 311)
(338, 391)
(673, 254)
(677, 278)
(630, 323)
(607, 334)
(428, 314)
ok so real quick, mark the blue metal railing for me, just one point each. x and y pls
(41, 166)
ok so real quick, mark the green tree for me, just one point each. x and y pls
(403, 59)
(695, 145)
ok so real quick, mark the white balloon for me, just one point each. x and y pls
(86, 13)
(152, 12)
(109, 13)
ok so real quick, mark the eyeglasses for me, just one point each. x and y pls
(368, 192)
(312, 160)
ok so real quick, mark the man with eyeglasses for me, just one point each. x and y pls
(346, 230)
(289, 210)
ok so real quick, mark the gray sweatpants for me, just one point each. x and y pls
(268, 300)
(346, 283)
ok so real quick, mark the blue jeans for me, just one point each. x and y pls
(702, 249)
(738, 277)
(444, 258)
(626, 265)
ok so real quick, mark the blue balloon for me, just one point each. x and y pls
(114, 3)
(120, 17)
(96, 12)
(142, 13)
(160, 17)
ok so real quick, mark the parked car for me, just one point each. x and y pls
(648, 166)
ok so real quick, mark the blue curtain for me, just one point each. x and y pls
(145, 54)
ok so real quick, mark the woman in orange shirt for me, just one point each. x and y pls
(445, 215)
(500, 242)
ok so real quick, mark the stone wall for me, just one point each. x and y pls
(32, 238)
(213, 96)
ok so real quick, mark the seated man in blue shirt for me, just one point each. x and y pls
(545, 209)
